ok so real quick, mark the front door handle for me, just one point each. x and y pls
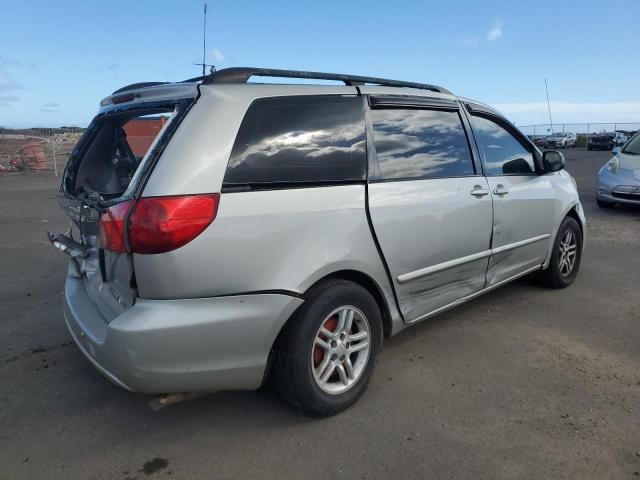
(478, 191)
(500, 190)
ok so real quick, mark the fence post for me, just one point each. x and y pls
(55, 163)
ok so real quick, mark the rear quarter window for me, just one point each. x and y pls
(305, 140)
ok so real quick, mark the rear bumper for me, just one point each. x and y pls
(192, 345)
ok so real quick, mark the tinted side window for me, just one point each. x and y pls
(303, 139)
(502, 153)
(413, 144)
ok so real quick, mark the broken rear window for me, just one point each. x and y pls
(114, 148)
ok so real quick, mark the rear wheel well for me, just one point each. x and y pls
(372, 287)
(354, 276)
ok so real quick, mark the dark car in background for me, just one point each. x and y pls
(538, 140)
(606, 141)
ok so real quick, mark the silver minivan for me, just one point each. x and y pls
(227, 233)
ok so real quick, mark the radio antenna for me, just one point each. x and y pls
(204, 44)
(204, 39)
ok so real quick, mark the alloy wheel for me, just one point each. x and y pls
(340, 350)
(568, 253)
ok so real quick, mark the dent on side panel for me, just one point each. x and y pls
(442, 288)
(525, 213)
(425, 223)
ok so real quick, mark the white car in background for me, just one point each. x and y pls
(561, 140)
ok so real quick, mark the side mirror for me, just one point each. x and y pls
(553, 161)
(616, 150)
(519, 166)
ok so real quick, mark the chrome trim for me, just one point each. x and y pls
(521, 243)
(474, 295)
(423, 272)
(408, 277)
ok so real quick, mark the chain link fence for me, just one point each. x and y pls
(44, 152)
(36, 151)
(582, 130)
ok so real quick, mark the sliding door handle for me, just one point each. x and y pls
(478, 191)
(500, 190)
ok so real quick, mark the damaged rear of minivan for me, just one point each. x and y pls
(101, 192)
(156, 295)
(103, 180)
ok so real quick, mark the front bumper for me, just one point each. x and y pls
(191, 345)
(623, 188)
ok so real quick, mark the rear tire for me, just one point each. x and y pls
(565, 256)
(316, 365)
(604, 204)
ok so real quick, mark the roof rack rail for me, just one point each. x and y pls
(243, 74)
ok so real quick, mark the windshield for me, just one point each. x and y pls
(633, 146)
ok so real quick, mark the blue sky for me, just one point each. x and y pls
(58, 59)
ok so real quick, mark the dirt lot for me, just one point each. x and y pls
(524, 382)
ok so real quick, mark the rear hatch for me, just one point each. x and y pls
(104, 175)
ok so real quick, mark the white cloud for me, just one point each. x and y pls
(495, 32)
(218, 56)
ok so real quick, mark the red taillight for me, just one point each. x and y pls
(112, 227)
(162, 224)
(156, 224)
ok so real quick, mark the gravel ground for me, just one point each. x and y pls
(524, 382)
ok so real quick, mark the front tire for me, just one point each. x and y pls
(325, 356)
(565, 256)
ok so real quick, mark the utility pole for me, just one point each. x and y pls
(548, 104)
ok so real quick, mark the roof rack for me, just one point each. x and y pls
(243, 74)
